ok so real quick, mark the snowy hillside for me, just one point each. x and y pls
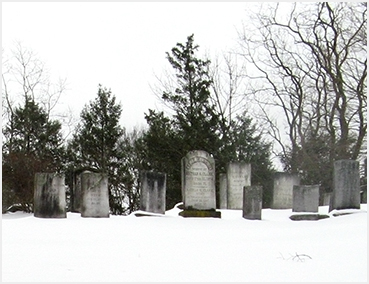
(173, 248)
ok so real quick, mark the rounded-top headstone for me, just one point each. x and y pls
(198, 181)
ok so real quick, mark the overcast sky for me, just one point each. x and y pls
(120, 45)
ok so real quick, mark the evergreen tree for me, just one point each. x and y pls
(195, 116)
(161, 149)
(246, 144)
(196, 125)
(95, 143)
(33, 143)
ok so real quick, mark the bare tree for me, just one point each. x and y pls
(26, 76)
(309, 78)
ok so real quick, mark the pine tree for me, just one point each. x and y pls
(95, 143)
(196, 125)
(33, 143)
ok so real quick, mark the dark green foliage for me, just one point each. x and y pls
(33, 143)
(196, 125)
(161, 150)
(246, 144)
(96, 144)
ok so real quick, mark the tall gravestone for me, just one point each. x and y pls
(238, 176)
(346, 185)
(283, 190)
(152, 192)
(76, 194)
(223, 191)
(305, 198)
(49, 196)
(198, 185)
(252, 202)
(95, 195)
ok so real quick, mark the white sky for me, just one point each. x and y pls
(120, 45)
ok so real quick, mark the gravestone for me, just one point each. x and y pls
(152, 192)
(305, 198)
(223, 191)
(346, 185)
(252, 202)
(76, 194)
(283, 190)
(95, 195)
(49, 196)
(238, 176)
(324, 197)
(198, 185)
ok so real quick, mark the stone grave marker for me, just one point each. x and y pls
(305, 198)
(283, 190)
(346, 185)
(223, 191)
(198, 185)
(95, 195)
(252, 202)
(238, 176)
(49, 196)
(76, 194)
(152, 192)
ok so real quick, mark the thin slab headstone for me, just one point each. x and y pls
(76, 195)
(152, 192)
(305, 198)
(346, 185)
(283, 190)
(238, 176)
(223, 191)
(49, 196)
(252, 202)
(95, 195)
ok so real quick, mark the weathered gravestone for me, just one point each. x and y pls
(198, 185)
(223, 191)
(305, 198)
(238, 176)
(152, 192)
(252, 202)
(49, 196)
(346, 185)
(283, 190)
(76, 192)
(324, 197)
(95, 195)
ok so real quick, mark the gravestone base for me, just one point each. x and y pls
(308, 217)
(147, 214)
(200, 213)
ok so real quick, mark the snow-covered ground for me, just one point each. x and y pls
(173, 248)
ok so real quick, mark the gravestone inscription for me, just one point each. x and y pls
(198, 185)
(238, 176)
(95, 195)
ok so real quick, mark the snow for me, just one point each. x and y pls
(173, 248)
